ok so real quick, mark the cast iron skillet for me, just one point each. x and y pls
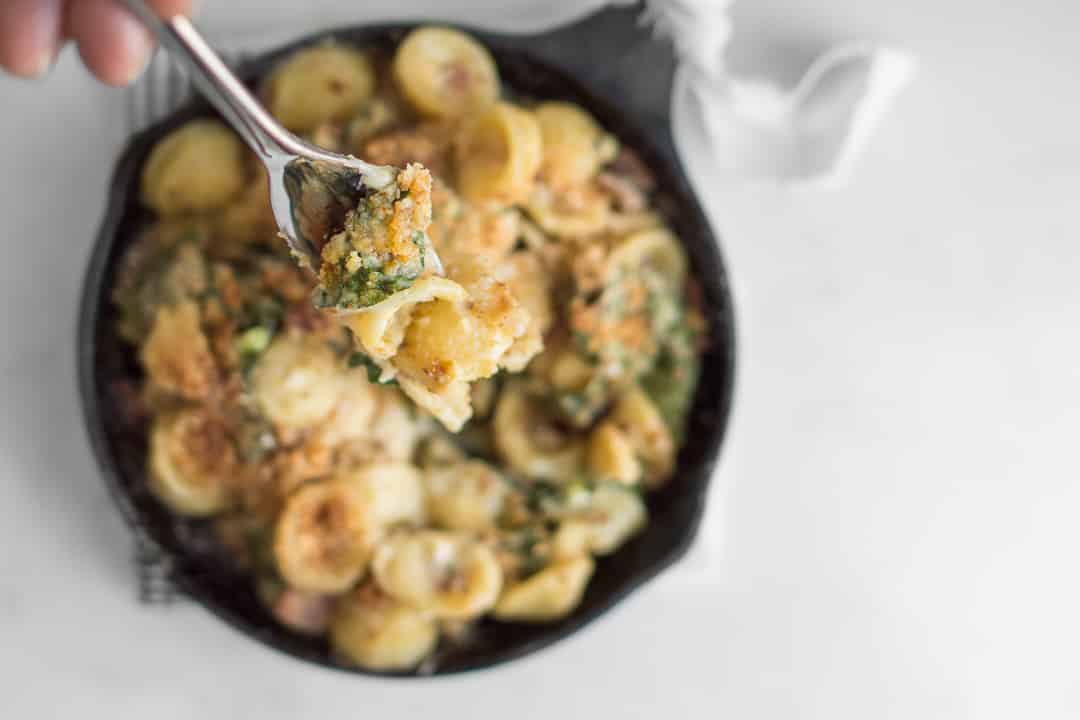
(627, 79)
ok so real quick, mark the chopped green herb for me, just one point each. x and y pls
(379, 249)
(374, 372)
(671, 383)
(254, 340)
(544, 497)
(365, 287)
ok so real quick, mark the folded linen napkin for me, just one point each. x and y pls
(756, 129)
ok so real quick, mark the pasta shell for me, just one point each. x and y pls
(378, 633)
(445, 574)
(297, 382)
(191, 462)
(319, 84)
(581, 213)
(611, 455)
(465, 496)
(498, 154)
(445, 73)
(197, 168)
(528, 447)
(571, 141)
(176, 354)
(324, 536)
(381, 329)
(657, 248)
(548, 595)
(640, 421)
(615, 514)
(393, 492)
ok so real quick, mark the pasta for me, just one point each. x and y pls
(615, 513)
(647, 433)
(197, 168)
(571, 142)
(190, 462)
(176, 354)
(296, 382)
(581, 212)
(549, 594)
(465, 496)
(373, 631)
(393, 492)
(498, 155)
(612, 456)
(444, 72)
(396, 449)
(319, 84)
(530, 446)
(324, 536)
(446, 575)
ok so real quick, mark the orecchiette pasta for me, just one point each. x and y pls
(445, 73)
(199, 167)
(435, 338)
(247, 222)
(297, 382)
(398, 447)
(614, 514)
(324, 535)
(449, 345)
(549, 594)
(612, 456)
(445, 574)
(571, 141)
(465, 496)
(640, 421)
(376, 632)
(528, 281)
(396, 429)
(176, 353)
(352, 418)
(656, 248)
(322, 83)
(371, 424)
(381, 330)
(393, 492)
(583, 212)
(498, 155)
(373, 116)
(191, 462)
(528, 444)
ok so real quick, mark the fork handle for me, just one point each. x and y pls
(219, 85)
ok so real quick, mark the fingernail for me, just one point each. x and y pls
(138, 64)
(138, 46)
(43, 64)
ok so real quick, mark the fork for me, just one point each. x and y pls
(293, 165)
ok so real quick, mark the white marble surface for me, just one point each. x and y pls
(902, 467)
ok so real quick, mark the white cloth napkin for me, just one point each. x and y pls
(758, 130)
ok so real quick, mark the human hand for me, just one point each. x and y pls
(112, 43)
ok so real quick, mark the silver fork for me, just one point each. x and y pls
(292, 164)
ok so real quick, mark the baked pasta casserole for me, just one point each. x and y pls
(392, 451)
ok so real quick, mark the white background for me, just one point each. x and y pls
(901, 497)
